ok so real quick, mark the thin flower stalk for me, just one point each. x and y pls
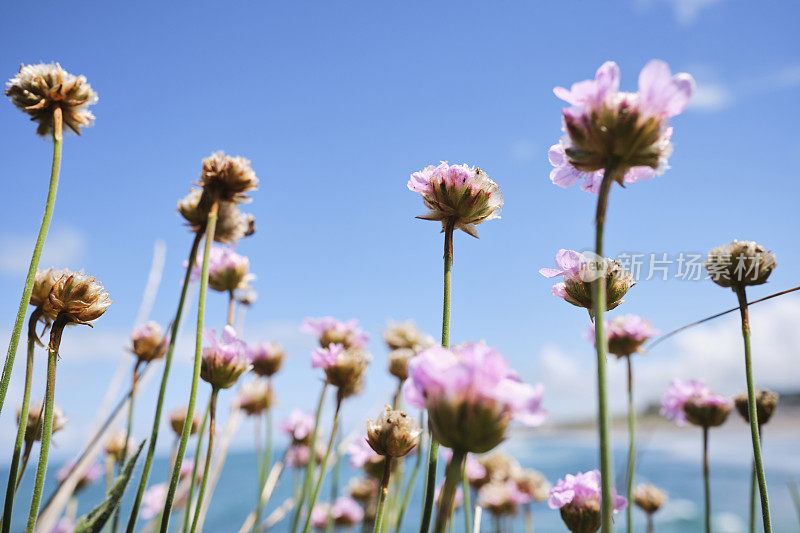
(128, 431)
(411, 480)
(309, 471)
(313, 498)
(706, 484)
(452, 478)
(151, 448)
(384, 491)
(187, 512)
(201, 309)
(631, 445)
(212, 409)
(467, 504)
(266, 463)
(55, 171)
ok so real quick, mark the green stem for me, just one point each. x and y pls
(13, 475)
(266, 462)
(151, 447)
(598, 307)
(231, 308)
(753, 414)
(337, 467)
(47, 427)
(650, 525)
(467, 504)
(313, 500)
(309, 470)
(631, 444)
(387, 472)
(128, 430)
(55, 171)
(212, 409)
(452, 477)
(201, 310)
(412, 478)
(706, 484)
(197, 452)
(433, 450)
(753, 491)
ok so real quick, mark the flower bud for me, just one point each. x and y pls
(266, 357)
(227, 270)
(79, 298)
(223, 361)
(344, 369)
(226, 178)
(177, 419)
(39, 90)
(405, 335)
(115, 446)
(255, 397)
(393, 434)
(739, 264)
(625, 335)
(149, 342)
(766, 402)
(649, 498)
(33, 426)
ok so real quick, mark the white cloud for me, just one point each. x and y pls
(713, 94)
(65, 246)
(711, 97)
(686, 12)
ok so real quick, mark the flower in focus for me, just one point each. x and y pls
(739, 264)
(91, 474)
(393, 434)
(78, 298)
(225, 360)
(625, 335)
(607, 128)
(153, 501)
(115, 446)
(39, 90)
(580, 270)
(578, 498)
(298, 426)
(471, 394)
(501, 498)
(43, 284)
(344, 369)
(693, 402)
(227, 179)
(649, 498)
(266, 357)
(457, 194)
(766, 403)
(177, 418)
(227, 270)
(255, 397)
(565, 175)
(33, 426)
(329, 331)
(149, 342)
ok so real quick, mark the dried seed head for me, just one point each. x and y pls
(232, 224)
(393, 434)
(255, 397)
(227, 179)
(739, 264)
(246, 296)
(533, 484)
(115, 446)
(707, 412)
(79, 298)
(766, 402)
(43, 284)
(149, 342)
(347, 373)
(363, 489)
(649, 498)
(177, 418)
(498, 466)
(33, 426)
(398, 362)
(406, 335)
(39, 90)
(266, 357)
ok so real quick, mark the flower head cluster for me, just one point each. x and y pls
(345, 512)
(766, 403)
(149, 342)
(225, 360)
(298, 426)
(115, 446)
(578, 498)
(404, 341)
(232, 224)
(266, 358)
(649, 498)
(362, 455)
(494, 466)
(739, 264)
(153, 501)
(227, 270)
(329, 331)
(471, 394)
(227, 179)
(177, 419)
(501, 498)
(33, 425)
(533, 484)
(363, 490)
(43, 284)
(39, 90)
(393, 434)
(344, 368)
(606, 128)
(580, 270)
(255, 397)
(91, 473)
(460, 195)
(693, 402)
(625, 335)
(298, 455)
(78, 298)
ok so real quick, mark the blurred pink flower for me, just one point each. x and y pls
(225, 360)
(360, 452)
(624, 334)
(579, 489)
(92, 473)
(679, 393)
(328, 331)
(298, 425)
(153, 501)
(326, 357)
(472, 467)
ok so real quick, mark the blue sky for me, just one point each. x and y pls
(336, 104)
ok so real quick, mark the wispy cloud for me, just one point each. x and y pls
(65, 247)
(714, 94)
(686, 12)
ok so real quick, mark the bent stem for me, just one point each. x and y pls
(752, 412)
(706, 484)
(313, 500)
(433, 449)
(201, 310)
(452, 477)
(212, 409)
(14, 478)
(47, 427)
(631, 444)
(309, 471)
(151, 447)
(55, 171)
(387, 472)
(598, 308)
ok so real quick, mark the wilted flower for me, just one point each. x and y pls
(363, 489)
(460, 195)
(649, 498)
(393, 434)
(607, 128)
(43, 284)
(579, 271)
(471, 395)
(225, 360)
(115, 446)
(298, 426)
(625, 335)
(153, 501)
(33, 426)
(149, 342)
(344, 369)
(406, 335)
(398, 362)
(766, 402)
(78, 298)
(328, 331)
(91, 474)
(501, 498)
(39, 90)
(533, 484)
(232, 224)
(693, 402)
(254, 397)
(227, 270)
(266, 357)
(739, 264)
(226, 178)
(578, 498)
(177, 418)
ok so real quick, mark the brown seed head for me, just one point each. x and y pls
(766, 402)
(149, 342)
(393, 434)
(33, 427)
(739, 264)
(255, 397)
(177, 418)
(227, 179)
(649, 498)
(79, 298)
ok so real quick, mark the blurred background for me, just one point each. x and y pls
(336, 105)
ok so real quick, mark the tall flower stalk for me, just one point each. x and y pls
(309, 467)
(212, 409)
(312, 500)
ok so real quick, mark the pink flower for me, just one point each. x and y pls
(186, 469)
(227, 270)
(472, 467)
(458, 499)
(225, 360)
(579, 489)
(679, 393)
(267, 358)
(565, 175)
(361, 452)
(625, 334)
(328, 330)
(298, 426)
(153, 501)
(569, 264)
(320, 514)
(345, 512)
(92, 473)
(326, 357)
(298, 455)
